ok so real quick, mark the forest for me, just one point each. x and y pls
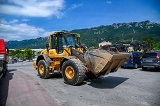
(117, 32)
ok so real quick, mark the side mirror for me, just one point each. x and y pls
(7, 50)
(47, 46)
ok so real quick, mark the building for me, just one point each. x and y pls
(104, 43)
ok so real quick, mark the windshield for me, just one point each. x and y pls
(137, 54)
(69, 40)
(151, 55)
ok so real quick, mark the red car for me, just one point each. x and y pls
(3, 58)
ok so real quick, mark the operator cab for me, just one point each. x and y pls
(62, 40)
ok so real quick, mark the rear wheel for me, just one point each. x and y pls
(136, 66)
(122, 66)
(73, 72)
(43, 69)
(4, 69)
(144, 68)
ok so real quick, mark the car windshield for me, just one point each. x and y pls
(149, 55)
(137, 54)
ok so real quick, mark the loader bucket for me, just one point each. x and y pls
(101, 62)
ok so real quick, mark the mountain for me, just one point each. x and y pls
(39, 42)
(92, 36)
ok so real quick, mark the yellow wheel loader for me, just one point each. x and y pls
(67, 55)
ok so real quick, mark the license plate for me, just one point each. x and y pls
(148, 60)
(149, 66)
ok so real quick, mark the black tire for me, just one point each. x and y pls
(4, 70)
(136, 66)
(43, 70)
(73, 72)
(144, 68)
(122, 66)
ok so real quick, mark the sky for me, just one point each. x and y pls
(29, 19)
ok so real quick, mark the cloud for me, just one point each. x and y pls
(109, 2)
(9, 22)
(75, 6)
(33, 8)
(25, 20)
(14, 30)
(14, 21)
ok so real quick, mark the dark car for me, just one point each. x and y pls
(134, 61)
(151, 60)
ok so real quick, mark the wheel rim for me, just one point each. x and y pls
(69, 72)
(41, 69)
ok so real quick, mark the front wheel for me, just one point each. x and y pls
(43, 69)
(73, 72)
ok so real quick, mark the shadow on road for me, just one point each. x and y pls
(129, 68)
(151, 70)
(56, 75)
(107, 82)
(4, 86)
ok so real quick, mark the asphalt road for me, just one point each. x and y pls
(127, 87)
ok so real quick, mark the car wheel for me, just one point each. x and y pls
(136, 66)
(144, 68)
(4, 69)
(122, 66)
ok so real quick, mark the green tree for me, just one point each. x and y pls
(156, 46)
(28, 53)
(150, 41)
(18, 53)
(11, 53)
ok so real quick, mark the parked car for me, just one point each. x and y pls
(134, 61)
(151, 60)
(20, 60)
(14, 60)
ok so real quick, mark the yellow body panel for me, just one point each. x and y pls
(53, 53)
(34, 64)
(55, 65)
(56, 58)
